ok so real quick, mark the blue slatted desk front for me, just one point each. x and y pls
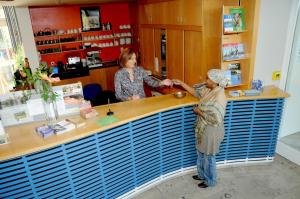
(126, 158)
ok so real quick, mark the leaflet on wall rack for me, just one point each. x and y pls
(233, 51)
(238, 18)
(234, 73)
(228, 23)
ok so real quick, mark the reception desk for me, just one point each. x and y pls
(153, 139)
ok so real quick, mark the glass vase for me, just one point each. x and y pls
(51, 113)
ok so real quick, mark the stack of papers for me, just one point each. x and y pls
(63, 126)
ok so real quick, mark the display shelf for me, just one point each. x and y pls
(234, 32)
(70, 42)
(50, 53)
(93, 31)
(236, 42)
(57, 35)
(114, 16)
(83, 37)
(236, 85)
(44, 36)
(238, 59)
(95, 40)
(44, 45)
(66, 51)
(124, 37)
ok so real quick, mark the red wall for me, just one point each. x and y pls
(68, 17)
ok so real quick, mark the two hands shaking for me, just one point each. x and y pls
(166, 82)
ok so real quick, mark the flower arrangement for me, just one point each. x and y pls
(42, 77)
(43, 81)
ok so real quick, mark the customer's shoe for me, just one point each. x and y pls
(202, 185)
(196, 177)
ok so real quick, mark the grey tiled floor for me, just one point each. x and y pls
(292, 140)
(276, 180)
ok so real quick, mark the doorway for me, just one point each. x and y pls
(289, 142)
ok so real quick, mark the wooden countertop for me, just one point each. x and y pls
(267, 93)
(23, 139)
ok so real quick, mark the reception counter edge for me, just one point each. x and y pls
(23, 139)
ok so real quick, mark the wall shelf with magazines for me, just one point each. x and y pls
(236, 44)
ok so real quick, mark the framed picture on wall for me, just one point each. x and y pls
(90, 18)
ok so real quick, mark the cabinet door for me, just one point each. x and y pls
(146, 13)
(174, 62)
(190, 12)
(147, 48)
(194, 71)
(160, 13)
(176, 12)
(156, 13)
(157, 56)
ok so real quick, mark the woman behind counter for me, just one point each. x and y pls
(129, 80)
(209, 126)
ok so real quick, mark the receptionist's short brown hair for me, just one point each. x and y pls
(125, 55)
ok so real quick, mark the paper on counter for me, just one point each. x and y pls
(35, 107)
(107, 120)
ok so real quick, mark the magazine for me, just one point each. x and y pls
(232, 51)
(238, 18)
(235, 73)
(228, 23)
(62, 127)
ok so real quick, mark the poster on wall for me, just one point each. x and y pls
(90, 18)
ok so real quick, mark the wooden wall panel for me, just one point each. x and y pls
(98, 76)
(103, 76)
(110, 77)
(212, 33)
(194, 70)
(147, 48)
(175, 56)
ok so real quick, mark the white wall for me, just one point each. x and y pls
(272, 37)
(27, 36)
(291, 121)
(277, 23)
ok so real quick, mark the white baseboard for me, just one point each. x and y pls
(288, 152)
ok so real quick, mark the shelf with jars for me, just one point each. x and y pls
(56, 43)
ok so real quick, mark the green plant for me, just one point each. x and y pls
(42, 79)
(18, 58)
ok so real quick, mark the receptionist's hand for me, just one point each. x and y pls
(135, 97)
(167, 82)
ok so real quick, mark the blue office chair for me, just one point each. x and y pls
(91, 91)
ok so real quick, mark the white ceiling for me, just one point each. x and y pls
(21, 3)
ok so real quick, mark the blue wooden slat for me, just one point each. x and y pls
(79, 143)
(51, 180)
(91, 192)
(144, 125)
(54, 189)
(143, 120)
(50, 190)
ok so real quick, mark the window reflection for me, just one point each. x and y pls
(6, 54)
